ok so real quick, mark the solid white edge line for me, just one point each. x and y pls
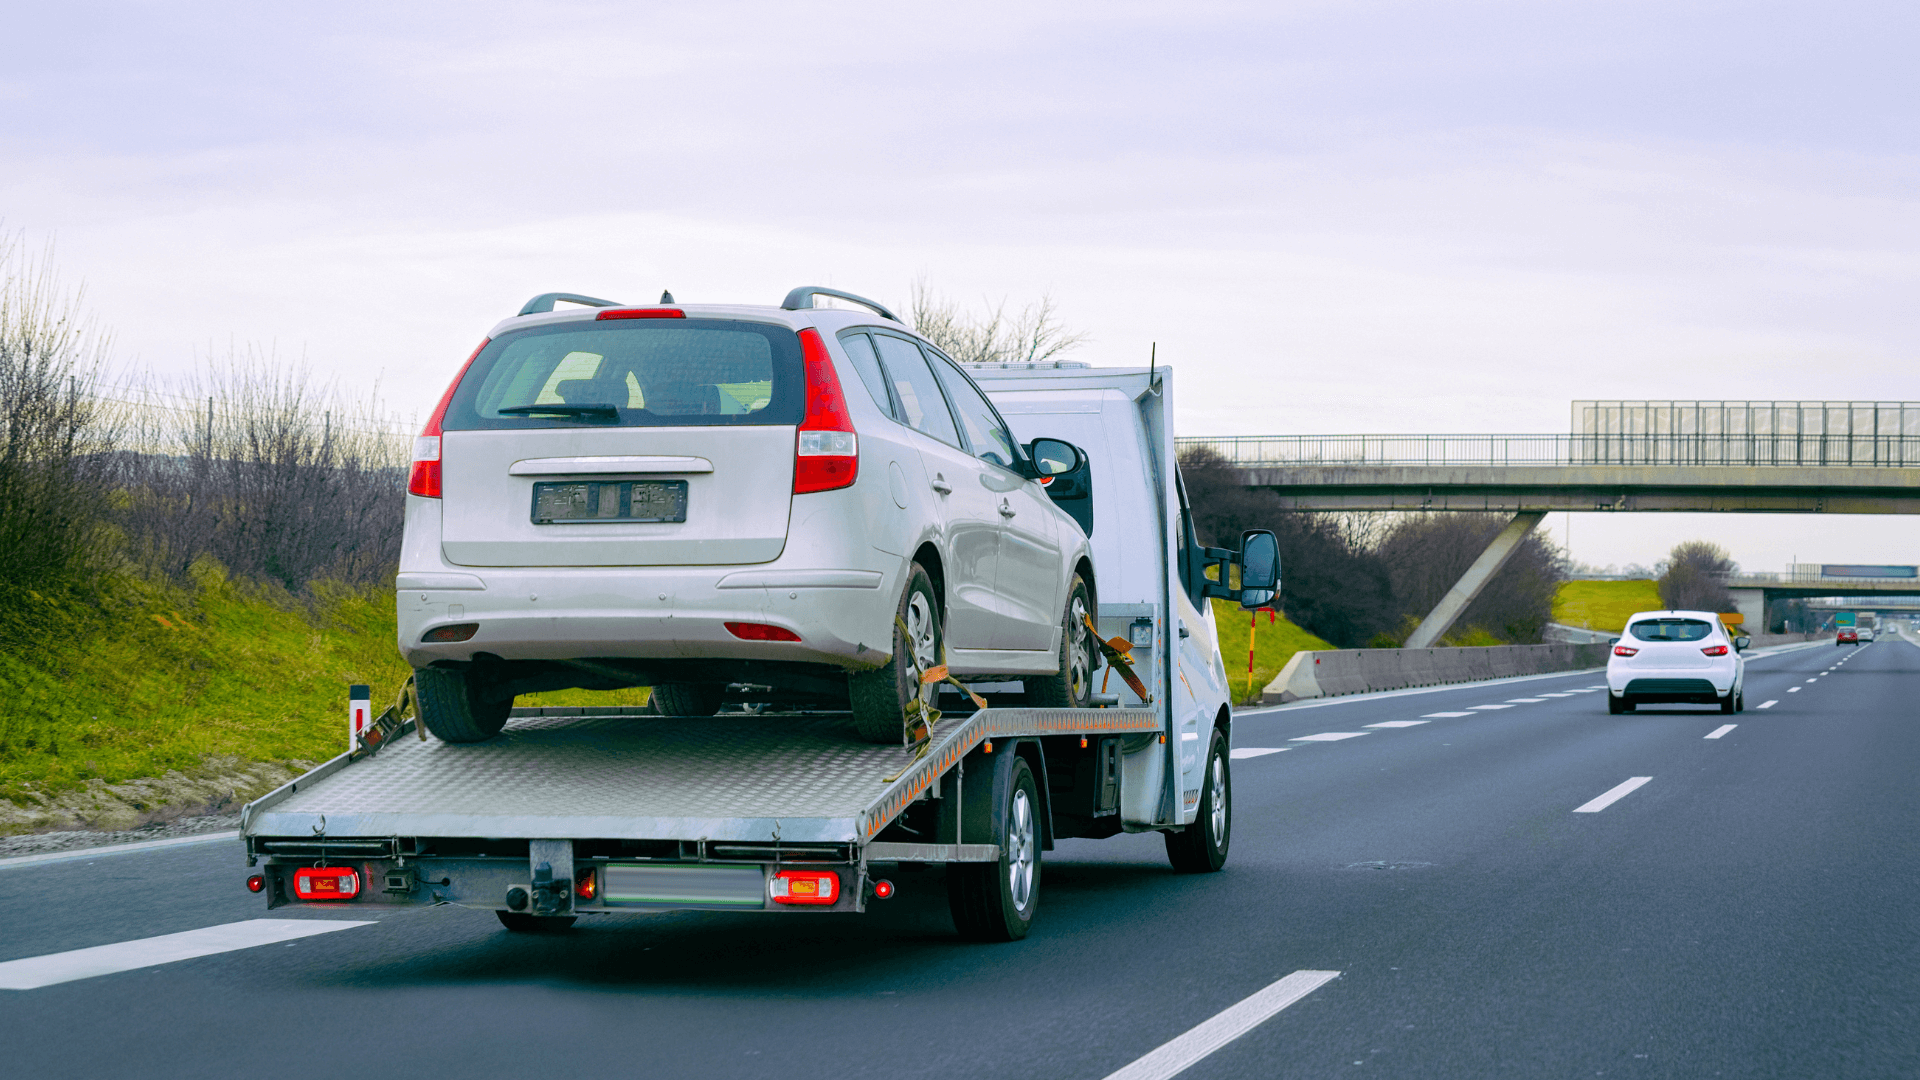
(34, 972)
(1177, 1055)
(113, 849)
(1611, 796)
(1721, 730)
(1768, 704)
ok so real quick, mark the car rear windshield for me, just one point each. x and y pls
(1670, 630)
(633, 373)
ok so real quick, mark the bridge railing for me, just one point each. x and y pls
(1256, 451)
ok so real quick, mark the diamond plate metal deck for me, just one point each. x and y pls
(792, 778)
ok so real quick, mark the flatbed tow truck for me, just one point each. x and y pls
(574, 811)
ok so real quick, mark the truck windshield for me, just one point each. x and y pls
(633, 373)
(1671, 630)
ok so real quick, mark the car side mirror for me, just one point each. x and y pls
(1741, 643)
(1067, 475)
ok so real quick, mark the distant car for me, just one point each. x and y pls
(1847, 636)
(1866, 633)
(1676, 657)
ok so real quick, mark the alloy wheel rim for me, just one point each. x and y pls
(1020, 850)
(1219, 800)
(921, 644)
(1079, 651)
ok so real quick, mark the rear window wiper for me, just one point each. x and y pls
(599, 412)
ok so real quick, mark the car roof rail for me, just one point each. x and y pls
(802, 298)
(545, 301)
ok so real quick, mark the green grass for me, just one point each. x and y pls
(1603, 605)
(1273, 645)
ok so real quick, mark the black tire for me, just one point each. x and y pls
(879, 698)
(1740, 701)
(1730, 705)
(1615, 705)
(685, 699)
(1072, 686)
(1201, 848)
(996, 901)
(522, 923)
(457, 708)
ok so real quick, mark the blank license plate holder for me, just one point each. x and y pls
(604, 502)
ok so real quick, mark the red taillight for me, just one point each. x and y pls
(460, 631)
(640, 313)
(584, 885)
(256, 883)
(424, 478)
(331, 883)
(882, 889)
(1715, 650)
(1622, 650)
(755, 631)
(804, 887)
(826, 452)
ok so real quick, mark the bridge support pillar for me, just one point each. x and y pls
(1752, 605)
(1441, 618)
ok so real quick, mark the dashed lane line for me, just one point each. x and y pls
(1768, 704)
(1816, 678)
(1242, 753)
(1525, 700)
(1793, 689)
(1330, 736)
(1438, 715)
(1721, 730)
(1489, 706)
(34, 972)
(1180, 1053)
(1561, 694)
(1399, 723)
(1611, 795)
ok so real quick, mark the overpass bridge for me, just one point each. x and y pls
(1755, 593)
(1800, 457)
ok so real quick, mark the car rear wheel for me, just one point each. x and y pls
(1072, 686)
(880, 697)
(685, 699)
(521, 922)
(1201, 848)
(995, 901)
(456, 707)
(1618, 705)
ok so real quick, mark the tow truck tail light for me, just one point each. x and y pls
(754, 631)
(584, 885)
(423, 478)
(804, 887)
(330, 883)
(1715, 650)
(1622, 650)
(256, 883)
(826, 453)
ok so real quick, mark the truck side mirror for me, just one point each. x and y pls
(1259, 568)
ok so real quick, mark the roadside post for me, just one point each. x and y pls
(359, 710)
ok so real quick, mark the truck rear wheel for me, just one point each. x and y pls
(1072, 687)
(522, 923)
(1201, 848)
(995, 901)
(456, 708)
(685, 699)
(880, 697)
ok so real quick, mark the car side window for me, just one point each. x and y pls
(860, 350)
(986, 434)
(923, 407)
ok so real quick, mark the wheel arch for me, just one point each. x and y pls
(928, 556)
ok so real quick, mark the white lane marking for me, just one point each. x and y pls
(1586, 690)
(1793, 689)
(1489, 706)
(1721, 730)
(1330, 736)
(1178, 1054)
(1611, 796)
(1556, 695)
(1525, 700)
(1816, 678)
(34, 972)
(1399, 723)
(1768, 704)
(1602, 686)
(1242, 753)
(1436, 715)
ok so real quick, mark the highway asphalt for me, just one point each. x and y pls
(1751, 909)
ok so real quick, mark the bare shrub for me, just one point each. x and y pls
(1427, 554)
(1695, 578)
(1032, 336)
(279, 478)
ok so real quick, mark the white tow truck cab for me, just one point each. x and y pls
(587, 810)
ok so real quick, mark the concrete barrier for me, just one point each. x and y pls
(1333, 672)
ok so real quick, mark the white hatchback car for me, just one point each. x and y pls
(1676, 657)
(791, 505)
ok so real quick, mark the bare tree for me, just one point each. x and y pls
(1032, 336)
(1695, 578)
(1429, 553)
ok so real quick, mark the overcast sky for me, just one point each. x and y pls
(1331, 217)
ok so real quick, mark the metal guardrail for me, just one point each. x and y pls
(1282, 451)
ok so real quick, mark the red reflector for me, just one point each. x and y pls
(331, 883)
(640, 313)
(882, 889)
(459, 631)
(826, 451)
(804, 887)
(1715, 650)
(584, 885)
(1622, 650)
(753, 631)
(256, 883)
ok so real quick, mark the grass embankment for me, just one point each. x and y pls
(1603, 605)
(1273, 645)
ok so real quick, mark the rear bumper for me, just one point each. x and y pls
(1700, 685)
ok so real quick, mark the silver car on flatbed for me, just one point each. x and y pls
(787, 504)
